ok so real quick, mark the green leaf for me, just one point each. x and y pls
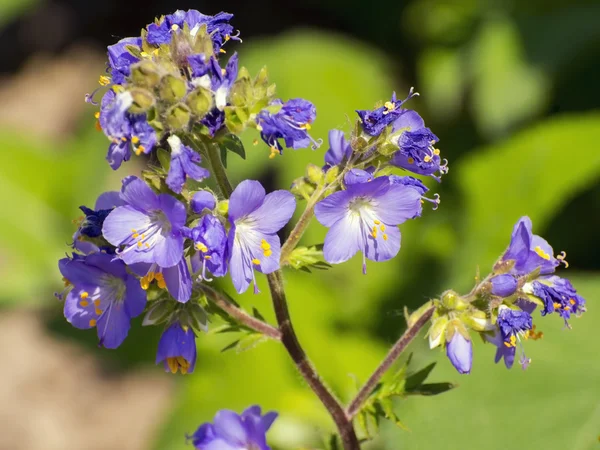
(164, 157)
(415, 380)
(431, 389)
(232, 143)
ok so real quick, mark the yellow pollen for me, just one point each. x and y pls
(572, 302)
(98, 126)
(305, 126)
(92, 323)
(374, 234)
(146, 280)
(427, 158)
(268, 253)
(201, 247)
(376, 222)
(124, 139)
(227, 37)
(542, 253)
(97, 114)
(161, 283)
(174, 27)
(385, 237)
(259, 128)
(139, 244)
(66, 282)
(84, 303)
(97, 303)
(256, 262)
(135, 139)
(557, 305)
(567, 308)
(135, 235)
(274, 152)
(104, 80)
(143, 236)
(159, 276)
(139, 150)
(265, 245)
(255, 141)
(133, 230)
(436, 151)
(411, 160)
(84, 295)
(207, 257)
(222, 51)
(223, 71)
(382, 227)
(98, 311)
(389, 107)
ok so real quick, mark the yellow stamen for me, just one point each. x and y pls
(274, 152)
(97, 303)
(139, 244)
(104, 80)
(256, 262)
(84, 303)
(268, 253)
(382, 227)
(97, 114)
(436, 151)
(146, 280)
(172, 363)
(389, 107)
(222, 51)
(542, 253)
(135, 235)
(556, 305)
(385, 237)
(124, 139)
(265, 245)
(161, 283)
(174, 27)
(305, 126)
(139, 150)
(374, 234)
(201, 247)
(98, 126)
(376, 222)
(411, 160)
(98, 311)
(159, 276)
(92, 323)
(207, 257)
(427, 158)
(135, 139)
(66, 282)
(259, 128)
(84, 295)
(572, 302)
(227, 37)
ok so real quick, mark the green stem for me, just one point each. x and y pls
(213, 153)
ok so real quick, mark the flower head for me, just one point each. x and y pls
(255, 220)
(459, 350)
(504, 285)
(103, 295)
(364, 218)
(210, 243)
(374, 122)
(530, 252)
(513, 326)
(231, 431)
(148, 227)
(415, 145)
(176, 279)
(339, 150)
(559, 296)
(184, 163)
(291, 123)
(120, 59)
(177, 349)
(203, 200)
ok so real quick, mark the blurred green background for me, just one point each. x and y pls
(511, 90)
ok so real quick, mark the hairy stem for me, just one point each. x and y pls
(296, 352)
(391, 357)
(240, 315)
(213, 152)
(300, 227)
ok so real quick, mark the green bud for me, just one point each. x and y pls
(145, 74)
(477, 320)
(504, 266)
(178, 116)
(158, 313)
(332, 174)
(233, 121)
(314, 174)
(200, 101)
(415, 315)
(451, 300)
(197, 317)
(223, 207)
(456, 326)
(172, 89)
(143, 100)
(240, 93)
(437, 331)
(387, 149)
(301, 188)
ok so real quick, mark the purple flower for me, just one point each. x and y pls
(529, 251)
(120, 60)
(255, 220)
(339, 150)
(231, 431)
(419, 186)
(217, 26)
(459, 351)
(91, 226)
(415, 145)
(374, 122)
(356, 176)
(364, 218)
(210, 242)
(125, 130)
(513, 325)
(104, 296)
(177, 349)
(148, 227)
(184, 163)
(176, 279)
(213, 121)
(203, 200)
(222, 82)
(504, 285)
(558, 295)
(291, 123)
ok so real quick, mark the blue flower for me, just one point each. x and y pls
(203, 200)
(213, 121)
(459, 351)
(177, 349)
(104, 296)
(365, 217)
(419, 186)
(176, 279)
(513, 326)
(415, 146)
(530, 252)
(559, 296)
(504, 285)
(148, 227)
(184, 163)
(231, 431)
(339, 150)
(374, 122)
(291, 123)
(217, 26)
(255, 220)
(120, 60)
(210, 242)
(125, 130)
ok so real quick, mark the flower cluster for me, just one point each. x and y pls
(500, 307)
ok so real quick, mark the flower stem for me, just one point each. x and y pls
(391, 357)
(296, 352)
(218, 170)
(300, 227)
(240, 315)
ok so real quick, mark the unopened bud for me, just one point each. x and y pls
(143, 100)
(477, 320)
(332, 174)
(145, 74)
(314, 173)
(451, 300)
(178, 117)
(223, 207)
(301, 188)
(437, 331)
(172, 89)
(200, 101)
(158, 313)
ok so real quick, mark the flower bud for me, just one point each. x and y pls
(477, 320)
(178, 117)
(451, 300)
(437, 331)
(332, 174)
(459, 347)
(143, 100)
(200, 101)
(223, 207)
(203, 200)
(172, 89)
(504, 285)
(197, 317)
(314, 173)
(145, 74)
(158, 313)
(301, 188)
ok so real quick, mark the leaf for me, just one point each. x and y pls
(164, 157)
(415, 380)
(231, 346)
(431, 389)
(232, 143)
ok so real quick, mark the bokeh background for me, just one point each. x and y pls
(512, 90)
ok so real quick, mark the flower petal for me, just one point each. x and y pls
(246, 198)
(109, 200)
(344, 239)
(229, 425)
(333, 208)
(135, 297)
(113, 325)
(118, 225)
(380, 249)
(168, 250)
(239, 263)
(174, 210)
(276, 211)
(179, 281)
(138, 194)
(268, 263)
(397, 204)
